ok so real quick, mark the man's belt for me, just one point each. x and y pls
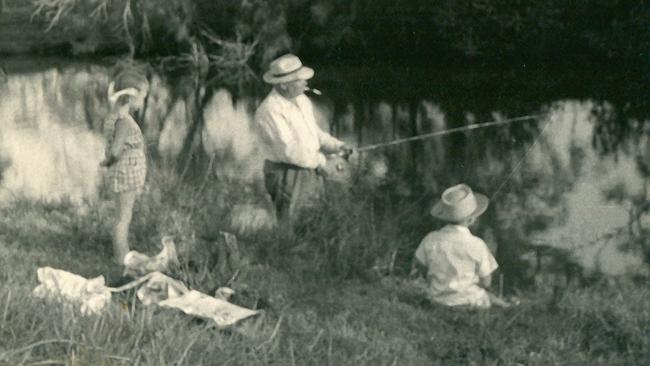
(275, 165)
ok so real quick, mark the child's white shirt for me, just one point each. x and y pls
(455, 260)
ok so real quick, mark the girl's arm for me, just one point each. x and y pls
(117, 147)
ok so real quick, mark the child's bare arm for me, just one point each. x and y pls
(418, 269)
(485, 281)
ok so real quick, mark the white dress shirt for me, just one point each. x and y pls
(290, 132)
(456, 260)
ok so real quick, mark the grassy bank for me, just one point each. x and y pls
(321, 305)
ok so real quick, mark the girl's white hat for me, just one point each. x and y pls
(114, 95)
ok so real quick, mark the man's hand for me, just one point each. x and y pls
(346, 151)
(322, 172)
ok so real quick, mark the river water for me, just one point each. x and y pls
(567, 178)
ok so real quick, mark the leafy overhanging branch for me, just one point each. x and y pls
(79, 16)
(52, 10)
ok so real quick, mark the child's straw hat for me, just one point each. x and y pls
(459, 203)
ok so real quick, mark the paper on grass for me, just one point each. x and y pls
(167, 292)
(199, 304)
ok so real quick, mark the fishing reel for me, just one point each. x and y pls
(344, 154)
(338, 167)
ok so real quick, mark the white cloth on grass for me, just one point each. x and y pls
(91, 295)
(137, 264)
(159, 287)
(290, 132)
(455, 260)
(155, 288)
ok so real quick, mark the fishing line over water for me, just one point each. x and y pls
(518, 165)
(448, 131)
(469, 128)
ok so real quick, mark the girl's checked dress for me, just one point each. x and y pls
(130, 171)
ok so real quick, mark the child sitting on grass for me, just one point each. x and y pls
(458, 265)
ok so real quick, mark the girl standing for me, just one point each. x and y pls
(125, 154)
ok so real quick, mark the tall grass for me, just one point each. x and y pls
(320, 306)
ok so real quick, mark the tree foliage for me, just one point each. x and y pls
(490, 31)
(225, 37)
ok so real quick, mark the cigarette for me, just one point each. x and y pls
(315, 91)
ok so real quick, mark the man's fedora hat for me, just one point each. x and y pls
(459, 203)
(287, 68)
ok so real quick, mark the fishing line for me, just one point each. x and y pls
(518, 165)
(446, 132)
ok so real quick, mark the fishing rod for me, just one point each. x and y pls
(448, 131)
(437, 133)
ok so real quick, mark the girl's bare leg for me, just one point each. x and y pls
(125, 202)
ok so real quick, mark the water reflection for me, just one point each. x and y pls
(547, 178)
(46, 148)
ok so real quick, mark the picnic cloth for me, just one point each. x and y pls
(91, 294)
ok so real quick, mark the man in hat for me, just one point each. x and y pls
(295, 146)
(457, 264)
